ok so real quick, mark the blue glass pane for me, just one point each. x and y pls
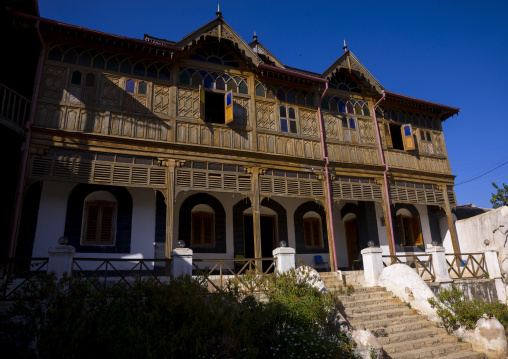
(219, 84)
(84, 59)
(203, 73)
(191, 71)
(281, 96)
(379, 113)
(142, 88)
(284, 125)
(208, 83)
(343, 87)
(112, 65)
(360, 103)
(196, 57)
(350, 108)
(291, 111)
(324, 105)
(260, 90)
(129, 86)
(70, 57)
(407, 131)
(352, 123)
(98, 62)
(309, 101)
(282, 111)
(214, 75)
(214, 60)
(243, 88)
(366, 110)
(226, 78)
(228, 99)
(152, 72)
(291, 97)
(55, 54)
(342, 108)
(139, 69)
(126, 67)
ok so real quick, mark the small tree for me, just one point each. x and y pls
(500, 198)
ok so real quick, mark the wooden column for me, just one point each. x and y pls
(386, 208)
(329, 229)
(449, 217)
(256, 212)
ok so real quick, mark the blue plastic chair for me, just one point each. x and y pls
(318, 260)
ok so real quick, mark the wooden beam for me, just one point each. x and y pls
(451, 223)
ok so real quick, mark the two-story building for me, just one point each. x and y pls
(137, 144)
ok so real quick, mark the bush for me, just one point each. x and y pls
(467, 312)
(69, 318)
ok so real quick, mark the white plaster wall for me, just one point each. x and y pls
(473, 231)
(381, 231)
(51, 217)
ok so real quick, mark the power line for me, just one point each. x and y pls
(472, 179)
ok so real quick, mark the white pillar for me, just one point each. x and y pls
(181, 262)
(285, 257)
(439, 264)
(60, 260)
(372, 265)
(492, 263)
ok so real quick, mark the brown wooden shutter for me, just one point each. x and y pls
(207, 229)
(196, 229)
(107, 223)
(307, 232)
(400, 227)
(417, 231)
(407, 136)
(316, 233)
(92, 222)
(388, 136)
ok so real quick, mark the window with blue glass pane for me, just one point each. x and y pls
(407, 131)
(228, 98)
(129, 86)
(352, 123)
(283, 125)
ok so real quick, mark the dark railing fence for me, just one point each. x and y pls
(18, 273)
(13, 106)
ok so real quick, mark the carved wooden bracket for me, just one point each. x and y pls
(252, 170)
(167, 162)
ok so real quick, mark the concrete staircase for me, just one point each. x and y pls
(403, 333)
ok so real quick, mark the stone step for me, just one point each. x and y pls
(464, 355)
(350, 310)
(377, 323)
(385, 314)
(404, 327)
(369, 302)
(424, 343)
(364, 296)
(409, 335)
(437, 351)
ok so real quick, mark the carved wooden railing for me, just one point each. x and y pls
(13, 106)
(467, 265)
(223, 270)
(402, 159)
(422, 263)
(17, 273)
(110, 272)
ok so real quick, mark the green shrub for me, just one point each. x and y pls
(69, 318)
(467, 312)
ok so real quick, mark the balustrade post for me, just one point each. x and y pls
(61, 258)
(439, 264)
(494, 270)
(285, 257)
(181, 262)
(372, 265)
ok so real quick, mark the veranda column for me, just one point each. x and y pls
(256, 213)
(494, 270)
(329, 228)
(386, 207)
(451, 223)
(170, 201)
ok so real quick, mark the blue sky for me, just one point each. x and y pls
(450, 52)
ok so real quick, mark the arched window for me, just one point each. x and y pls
(349, 130)
(202, 226)
(99, 219)
(287, 116)
(408, 226)
(312, 230)
(76, 77)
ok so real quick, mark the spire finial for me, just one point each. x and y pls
(345, 46)
(218, 13)
(255, 37)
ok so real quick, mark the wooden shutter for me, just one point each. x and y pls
(201, 103)
(92, 211)
(416, 231)
(228, 107)
(207, 229)
(107, 223)
(307, 232)
(197, 229)
(388, 136)
(316, 233)
(99, 228)
(400, 228)
(407, 137)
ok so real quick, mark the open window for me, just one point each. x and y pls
(216, 107)
(400, 136)
(410, 232)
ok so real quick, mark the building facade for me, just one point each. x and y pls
(137, 144)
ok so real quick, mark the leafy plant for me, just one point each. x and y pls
(500, 198)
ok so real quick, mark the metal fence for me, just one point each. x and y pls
(18, 273)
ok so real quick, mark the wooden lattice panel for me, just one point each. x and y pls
(308, 123)
(265, 115)
(332, 126)
(212, 135)
(288, 146)
(426, 164)
(290, 187)
(97, 172)
(356, 191)
(110, 91)
(241, 111)
(161, 99)
(367, 132)
(53, 82)
(187, 179)
(188, 103)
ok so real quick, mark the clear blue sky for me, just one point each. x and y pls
(450, 52)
